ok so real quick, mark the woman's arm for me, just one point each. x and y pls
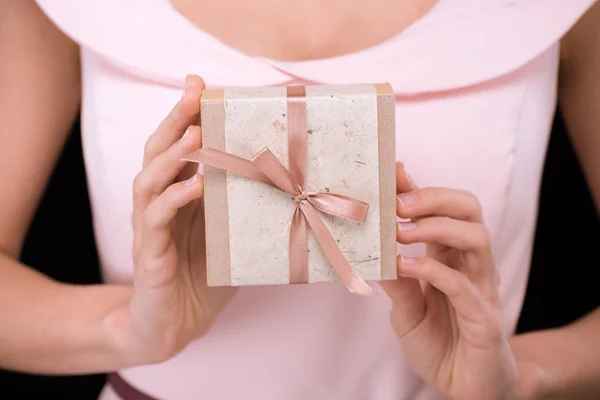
(45, 326)
(579, 93)
(49, 327)
(567, 358)
(570, 356)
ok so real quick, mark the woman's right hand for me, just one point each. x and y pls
(171, 303)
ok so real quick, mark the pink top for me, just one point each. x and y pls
(476, 92)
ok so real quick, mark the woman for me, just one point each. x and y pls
(476, 90)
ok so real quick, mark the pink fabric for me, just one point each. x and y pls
(476, 91)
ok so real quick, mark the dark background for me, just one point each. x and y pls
(561, 288)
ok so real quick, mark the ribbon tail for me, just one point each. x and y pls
(348, 276)
(298, 248)
(228, 162)
(270, 165)
(340, 206)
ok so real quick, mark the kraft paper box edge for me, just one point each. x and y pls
(215, 198)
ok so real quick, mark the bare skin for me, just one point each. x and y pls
(302, 30)
(109, 327)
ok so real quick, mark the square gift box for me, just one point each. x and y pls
(300, 184)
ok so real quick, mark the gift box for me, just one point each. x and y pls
(299, 185)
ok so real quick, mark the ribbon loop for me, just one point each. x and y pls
(266, 161)
(229, 162)
(340, 206)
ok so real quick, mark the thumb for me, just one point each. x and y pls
(408, 302)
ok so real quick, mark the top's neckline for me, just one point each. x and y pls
(459, 43)
(195, 30)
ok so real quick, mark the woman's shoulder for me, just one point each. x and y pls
(459, 43)
(150, 39)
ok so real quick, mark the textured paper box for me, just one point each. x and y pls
(351, 151)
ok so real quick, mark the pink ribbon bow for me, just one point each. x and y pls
(265, 167)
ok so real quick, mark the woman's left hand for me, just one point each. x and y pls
(450, 329)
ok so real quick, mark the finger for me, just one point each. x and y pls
(458, 204)
(172, 128)
(408, 303)
(471, 238)
(460, 235)
(164, 168)
(158, 174)
(461, 292)
(405, 293)
(157, 218)
(404, 183)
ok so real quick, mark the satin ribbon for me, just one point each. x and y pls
(266, 168)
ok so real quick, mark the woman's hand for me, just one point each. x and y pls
(450, 329)
(171, 304)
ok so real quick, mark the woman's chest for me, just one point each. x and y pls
(302, 30)
(467, 138)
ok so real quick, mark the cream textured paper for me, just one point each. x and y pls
(342, 158)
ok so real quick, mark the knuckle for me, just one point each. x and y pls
(174, 115)
(405, 236)
(150, 146)
(427, 196)
(432, 224)
(431, 229)
(460, 284)
(180, 113)
(134, 220)
(483, 239)
(432, 198)
(136, 250)
(474, 203)
(453, 288)
(171, 194)
(400, 232)
(427, 266)
(437, 193)
(149, 217)
(142, 184)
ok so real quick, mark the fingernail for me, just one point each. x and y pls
(407, 200)
(406, 226)
(407, 260)
(192, 180)
(185, 136)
